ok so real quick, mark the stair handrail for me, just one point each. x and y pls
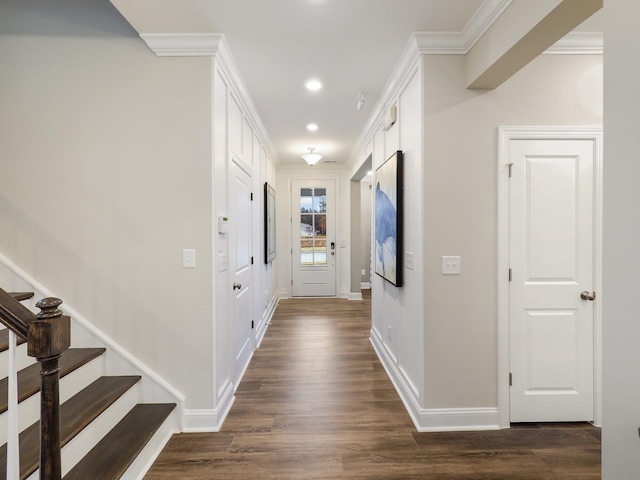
(14, 315)
(48, 335)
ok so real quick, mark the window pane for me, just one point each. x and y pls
(313, 226)
(320, 255)
(305, 204)
(320, 202)
(306, 225)
(320, 225)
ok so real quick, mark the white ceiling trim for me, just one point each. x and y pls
(183, 44)
(482, 20)
(428, 43)
(579, 43)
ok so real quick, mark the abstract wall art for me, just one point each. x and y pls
(388, 219)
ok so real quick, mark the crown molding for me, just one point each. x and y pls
(482, 20)
(579, 43)
(183, 44)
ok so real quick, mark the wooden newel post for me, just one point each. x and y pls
(48, 336)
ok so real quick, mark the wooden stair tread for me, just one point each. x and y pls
(111, 457)
(29, 378)
(75, 414)
(4, 340)
(20, 296)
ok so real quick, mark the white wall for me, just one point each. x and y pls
(621, 256)
(113, 160)
(460, 206)
(106, 176)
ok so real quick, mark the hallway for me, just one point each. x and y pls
(315, 403)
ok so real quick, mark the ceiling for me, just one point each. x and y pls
(351, 46)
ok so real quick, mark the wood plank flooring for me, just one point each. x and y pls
(315, 403)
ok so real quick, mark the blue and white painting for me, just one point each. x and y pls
(388, 214)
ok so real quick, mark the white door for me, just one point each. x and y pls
(552, 212)
(240, 325)
(313, 238)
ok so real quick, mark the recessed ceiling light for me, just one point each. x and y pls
(370, 172)
(313, 85)
(312, 127)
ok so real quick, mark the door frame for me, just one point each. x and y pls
(234, 158)
(504, 137)
(299, 174)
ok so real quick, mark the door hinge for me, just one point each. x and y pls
(292, 282)
(251, 260)
(510, 165)
(510, 379)
(510, 275)
(252, 326)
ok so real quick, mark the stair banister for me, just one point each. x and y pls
(14, 315)
(48, 335)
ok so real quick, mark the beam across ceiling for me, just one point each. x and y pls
(523, 31)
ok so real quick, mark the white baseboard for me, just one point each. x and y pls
(365, 286)
(209, 420)
(355, 296)
(283, 294)
(433, 419)
(266, 319)
(458, 419)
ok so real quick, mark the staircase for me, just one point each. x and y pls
(105, 432)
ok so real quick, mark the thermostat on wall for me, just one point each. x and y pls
(223, 224)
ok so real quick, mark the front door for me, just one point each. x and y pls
(313, 238)
(552, 212)
(240, 325)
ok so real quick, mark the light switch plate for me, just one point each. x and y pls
(408, 260)
(450, 265)
(188, 258)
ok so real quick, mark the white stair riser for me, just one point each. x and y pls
(88, 438)
(29, 409)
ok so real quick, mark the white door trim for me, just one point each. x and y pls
(505, 135)
(291, 176)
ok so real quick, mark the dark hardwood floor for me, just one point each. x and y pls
(315, 403)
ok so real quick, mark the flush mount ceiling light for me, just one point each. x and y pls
(313, 85)
(312, 127)
(311, 158)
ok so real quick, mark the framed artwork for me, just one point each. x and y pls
(388, 219)
(269, 223)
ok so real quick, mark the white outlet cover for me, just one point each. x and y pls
(450, 265)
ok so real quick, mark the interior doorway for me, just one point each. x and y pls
(549, 234)
(361, 230)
